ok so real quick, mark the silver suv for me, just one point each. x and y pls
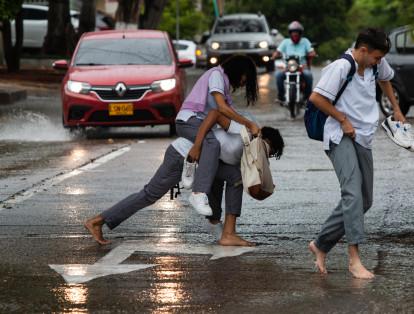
(247, 34)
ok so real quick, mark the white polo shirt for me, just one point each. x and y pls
(358, 101)
(231, 144)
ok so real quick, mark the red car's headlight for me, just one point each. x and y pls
(78, 87)
(163, 85)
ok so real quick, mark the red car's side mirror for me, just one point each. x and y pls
(185, 63)
(60, 65)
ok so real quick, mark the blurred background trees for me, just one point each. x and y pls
(332, 24)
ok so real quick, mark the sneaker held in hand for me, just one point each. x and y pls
(397, 132)
(187, 177)
(199, 201)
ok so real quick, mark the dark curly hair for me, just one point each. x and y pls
(237, 66)
(375, 39)
(276, 141)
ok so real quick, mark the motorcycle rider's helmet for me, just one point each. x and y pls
(295, 31)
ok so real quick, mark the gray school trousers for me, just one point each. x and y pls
(167, 176)
(354, 168)
(209, 158)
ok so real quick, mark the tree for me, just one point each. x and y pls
(146, 14)
(152, 14)
(11, 9)
(192, 22)
(87, 17)
(60, 38)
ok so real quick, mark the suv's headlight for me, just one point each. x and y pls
(215, 45)
(78, 87)
(163, 85)
(263, 44)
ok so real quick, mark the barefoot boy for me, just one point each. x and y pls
(348, 135)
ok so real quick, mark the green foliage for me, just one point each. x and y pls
(374, 13)
(9, 9)
(192, 22)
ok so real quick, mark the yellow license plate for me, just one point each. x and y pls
(121, 109)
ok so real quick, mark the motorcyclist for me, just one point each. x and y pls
(295, 45)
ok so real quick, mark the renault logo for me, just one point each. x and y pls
(120, 89)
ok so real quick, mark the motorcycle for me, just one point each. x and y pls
(294, 84)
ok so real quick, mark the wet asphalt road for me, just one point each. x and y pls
(164, 259)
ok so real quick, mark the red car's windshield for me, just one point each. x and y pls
(117, 51)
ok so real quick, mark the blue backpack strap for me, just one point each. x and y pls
(349, 77)
(375, 70)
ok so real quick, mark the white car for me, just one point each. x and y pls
(35, 24)
(186, 49)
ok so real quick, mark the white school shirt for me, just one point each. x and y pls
(357, 102)
(231, 145)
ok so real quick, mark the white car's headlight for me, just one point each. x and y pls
(215, 45)
(78, 87)
(163, 85)
(263, 44)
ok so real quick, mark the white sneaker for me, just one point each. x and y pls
(199, 202)
(187, 177)
(396, 132)
(409, 132)
(215, 229)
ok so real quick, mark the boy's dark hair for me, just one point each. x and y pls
(276, 141)
(239, 65)
(375, 39)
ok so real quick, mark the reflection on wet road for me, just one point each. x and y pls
(164, 259)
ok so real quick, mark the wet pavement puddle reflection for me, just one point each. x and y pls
(111, 263)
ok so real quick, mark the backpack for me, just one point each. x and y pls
(255, 168)
(314, 118)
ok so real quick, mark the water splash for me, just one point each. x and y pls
(32, 127)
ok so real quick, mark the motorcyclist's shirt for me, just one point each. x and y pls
(288, 48)
(358, 101)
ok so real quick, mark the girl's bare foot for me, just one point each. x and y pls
(359, 271)
(320, 257)
(232, 239)
(94, 226)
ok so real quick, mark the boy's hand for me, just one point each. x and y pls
(398, 116)
(348, 129)
(194, 153)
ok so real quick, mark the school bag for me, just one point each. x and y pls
(255, 168)
(314, 118)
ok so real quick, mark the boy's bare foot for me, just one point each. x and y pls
(94, 226)
(359, 271)
(231, 239)
(320, 257)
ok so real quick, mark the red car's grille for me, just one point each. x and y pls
(132, 93)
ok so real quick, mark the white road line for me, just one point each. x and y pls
(111, 263)
(47, 183)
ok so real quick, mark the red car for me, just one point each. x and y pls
(122, 78)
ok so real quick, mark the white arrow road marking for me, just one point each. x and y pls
(80, 273)
(111, 263)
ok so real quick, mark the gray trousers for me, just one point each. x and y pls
(209, 158)
(354, 168)
(167, 176)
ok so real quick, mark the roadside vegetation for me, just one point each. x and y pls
(332, 25)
